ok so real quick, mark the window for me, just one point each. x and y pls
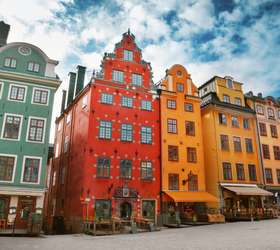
(237, 144)
(103, 167)
(193, 183)
(127, 102)
(266, 154)
(146, 170)
(278, 175)
(56, 150)
(68, 118)
(126, 169)
(252, 172)
(276, 150)
(191, 154)
(234, 122)
(240, 172)
(146, 105)
(268, 175)
(127, 55)
(106, 98)
(105, 130)
(148, 209)
(36, 130)
(54, 178)
(137, 80)
(17, 93)
(180, 87)
(229, 83)
(40, 96)
(224, 142)
(173, 153)
(173, 181)
(7, 165)
(66, 144)
(226, 98)
(270, 113)
(118, 76)
(33, 66)
(262, 127)
(10, 62)
(246, 123)
(190, 128)
(172, 126)
(260, 109)
(1, 89)
(237, 101)
(31, 170)
(146, 135)
(102, 210)
(222, 119)
(273, 130)
(249, 145)
(126, 132)
(12, 127)
(171, 104)
(85, 101)
(227, 171)
(188, 107)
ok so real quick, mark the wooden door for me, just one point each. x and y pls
(26, 205)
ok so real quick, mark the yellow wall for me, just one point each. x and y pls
(180, 139)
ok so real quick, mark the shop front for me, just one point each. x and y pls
(245, 202)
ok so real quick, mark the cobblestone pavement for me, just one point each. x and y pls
(260, 235)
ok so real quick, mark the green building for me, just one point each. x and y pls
(27, 86)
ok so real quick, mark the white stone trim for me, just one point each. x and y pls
(42, 89)
(238, 185)
(22, 170)
(14, 169)
(20, 86)
(44, 129)
(3, 127)
(21, 191)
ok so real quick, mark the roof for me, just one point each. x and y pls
(213, 78)
(197, 196)
(248, 190)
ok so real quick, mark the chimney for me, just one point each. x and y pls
(4, 32)
(81, 70)
(63, 101)
(260, 95)
(71, 88)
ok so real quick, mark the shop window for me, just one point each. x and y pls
(262, 127)
(126, 169)
(36, 130)
(276, 150)
(173, 181)
(146, 170)
(222, 119)
(106, 98)
(224, 142)
(266, 153)
(102, 210)
(105, 130)
(193, 183)
(31, 170)
(249, 145)
(7, 165)
(148, 209)
(278, 175)
(3, 208)
(191, 155)
(190, 128)
(234, 122)
(237, 144)
(12, 126)
(240, 172)
(268, 176)
(227, 171)
(172, 126)
(173, 153)
(171, 104)
(273, 130)
(103, 167)
(146, 135)
(126, 132)
(252, 172)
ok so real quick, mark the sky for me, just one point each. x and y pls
(238, 38)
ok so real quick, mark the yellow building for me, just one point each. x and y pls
(183, 173)
(231, 149)
(268, 118)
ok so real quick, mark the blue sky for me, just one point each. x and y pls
(209, 37)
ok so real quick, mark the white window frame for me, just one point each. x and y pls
(20, 86)
(3, 127)
(39, 172)
(1, 90)
(40, 89)
(118, 73)
(14, 169)
(33, 67)
(56, 152)
(137, 77)
(130, 55)
(44, 130)
(11, 61)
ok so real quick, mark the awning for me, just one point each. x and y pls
(184, 196)
(250, 191)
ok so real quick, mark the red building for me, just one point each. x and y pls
(107, 143)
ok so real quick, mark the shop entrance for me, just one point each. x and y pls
(26, 205)
(126, 210)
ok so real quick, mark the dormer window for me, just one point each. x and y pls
(270, 113)
(229, 83)
(180, 87)
(34, 67)
(226, 98)
(127, 55)
(10, 62)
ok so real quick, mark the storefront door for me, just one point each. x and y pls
(26, 205)
(126, 210)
